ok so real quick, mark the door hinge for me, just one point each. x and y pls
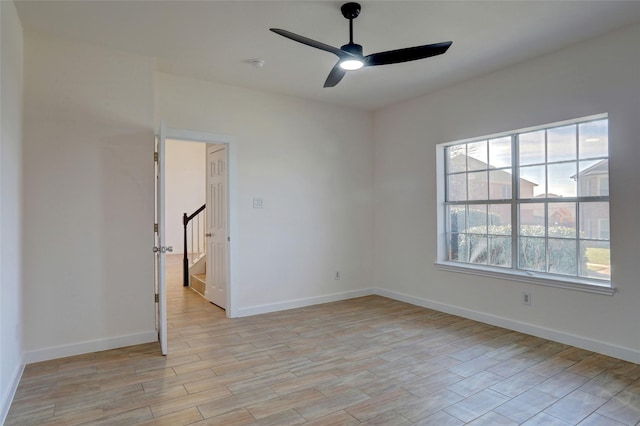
(157, 298)
(155, 227)
(155, 157)
(228, 238)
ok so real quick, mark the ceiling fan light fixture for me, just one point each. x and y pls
(351, 64)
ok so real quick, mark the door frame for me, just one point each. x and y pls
(232, 210)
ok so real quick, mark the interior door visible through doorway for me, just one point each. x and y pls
(217, 225)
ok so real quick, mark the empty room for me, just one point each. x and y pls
(419, 212)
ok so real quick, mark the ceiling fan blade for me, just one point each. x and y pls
(334, 76)
(407, 54)
(309, 42)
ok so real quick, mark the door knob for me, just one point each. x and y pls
(163, 249)
(208, 234)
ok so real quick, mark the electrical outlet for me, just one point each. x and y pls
(526, 298)
(337, 277)
(258, 203)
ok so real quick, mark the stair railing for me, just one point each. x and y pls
(198, 223)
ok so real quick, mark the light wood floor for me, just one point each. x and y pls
(368, 360)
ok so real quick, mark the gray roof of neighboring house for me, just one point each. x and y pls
(599, 168)
(481, 165)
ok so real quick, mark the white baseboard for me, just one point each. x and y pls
(300, 303)
(7, 397)
(89, 346)
(620, 352)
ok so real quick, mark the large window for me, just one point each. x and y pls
(535, 201)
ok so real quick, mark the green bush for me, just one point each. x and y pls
(495, 249)
(475, 218)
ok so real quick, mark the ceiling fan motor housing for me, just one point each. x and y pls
(354, 49)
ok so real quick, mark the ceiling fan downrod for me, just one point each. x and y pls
(351, 11)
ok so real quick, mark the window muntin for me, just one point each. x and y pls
(552, 181)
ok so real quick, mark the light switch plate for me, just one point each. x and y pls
(258, 203)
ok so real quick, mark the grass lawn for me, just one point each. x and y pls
(598, 256)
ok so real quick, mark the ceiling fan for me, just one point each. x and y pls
(350, 56)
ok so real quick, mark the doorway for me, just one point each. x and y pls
(222, 218)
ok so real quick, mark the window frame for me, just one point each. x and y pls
(575, 282)
(608, 227)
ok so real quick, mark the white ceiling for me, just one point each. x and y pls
(215, 40)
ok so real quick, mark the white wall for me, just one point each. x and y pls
(602, 75)
(11, 59)
(312, 165)
(88, 198)
(186, 171)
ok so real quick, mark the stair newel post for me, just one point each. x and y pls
(185, 259)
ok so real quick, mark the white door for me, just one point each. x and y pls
(217, 225)
(160, 249)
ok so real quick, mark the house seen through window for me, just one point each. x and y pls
(536, 201)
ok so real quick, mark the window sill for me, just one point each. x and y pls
(527, 277)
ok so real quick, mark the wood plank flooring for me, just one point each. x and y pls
(369, 360)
